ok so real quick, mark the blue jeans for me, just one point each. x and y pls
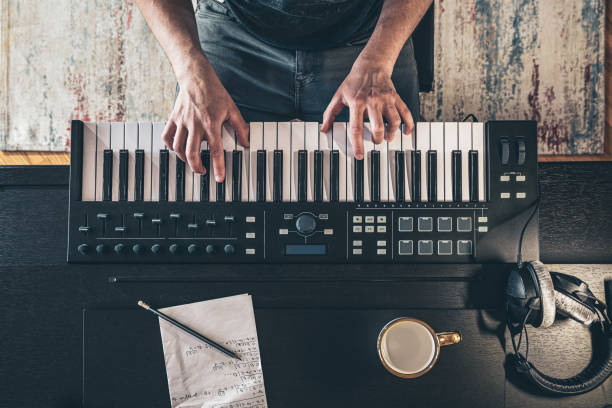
(273, 84)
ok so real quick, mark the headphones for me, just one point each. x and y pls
(534, 296)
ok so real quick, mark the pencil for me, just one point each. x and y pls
(189, 331)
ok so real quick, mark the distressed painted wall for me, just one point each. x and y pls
(523, 59)
(504, 59)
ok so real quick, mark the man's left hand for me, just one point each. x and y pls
(368, 93)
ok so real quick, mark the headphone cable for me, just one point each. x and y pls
(519, 256)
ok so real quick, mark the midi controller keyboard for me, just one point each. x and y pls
(452, 192)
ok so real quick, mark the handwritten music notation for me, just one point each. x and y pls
(199, 374)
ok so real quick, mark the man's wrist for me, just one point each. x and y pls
(191, 63)
(370, 62)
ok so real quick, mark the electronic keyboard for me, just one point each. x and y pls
(452, 192)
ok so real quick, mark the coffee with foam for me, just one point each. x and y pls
(409, 348)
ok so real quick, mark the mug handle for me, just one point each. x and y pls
(448, 338)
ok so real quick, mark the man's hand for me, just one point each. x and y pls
(368, 92)
(202, 107)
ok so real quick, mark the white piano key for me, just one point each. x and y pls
(311, 144)
(340, 143)
(422, 144)
(245, 172)
(188, 183)
(131, 144)
(437, 144)
(102, 143)
(197, 177)
(256, 143)
(408, 146)
(368, 147)
(393, 146)
(172, 175)
(270, 133)
(478, 144)
(451, 137)
(297, 144)
(145, 140)
(88, 175)
(117, 143)
(157, 145)
(212, 183)
(465, 144)
(325, 143)
(384, 171)
(229, 144)
(284, 144)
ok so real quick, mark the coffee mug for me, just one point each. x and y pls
(409, 348)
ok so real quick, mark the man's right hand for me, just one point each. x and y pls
(202, 107)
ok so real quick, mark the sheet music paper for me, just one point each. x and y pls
(201, 376)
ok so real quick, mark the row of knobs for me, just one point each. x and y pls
(139, 249)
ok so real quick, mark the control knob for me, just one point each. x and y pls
(174, 248)
(83, 249)
(192, 249)
(156, 248)
(229, 249)
(119, 248)
(305, 224)
(210, 249)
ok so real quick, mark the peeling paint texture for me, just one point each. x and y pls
(499, 59)
(523, 59)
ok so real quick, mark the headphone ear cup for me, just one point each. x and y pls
(575, 309)
(547, 293)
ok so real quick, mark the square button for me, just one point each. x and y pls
(504, 195)
(520, 178)
(381, 243)
(381, 219)
(445, 247)
(521, 195)
(381, 228)
(445, 224)
(425, 224)
(357, 243)
(404, 224)
(357, 228)
(369, 228)
(405, 247)
(464, 247)
(426, 247)
(369, 219)
(357, 251)
(357, 219)
(381, 251)
(464, 224)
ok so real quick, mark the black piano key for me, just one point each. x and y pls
(107, 176)
(318, 176)
(473, 168)
(237, 175)
(139, 176)
(432, 172)
(456, 171)
(164, 157)
(261, 175)
(358, 181)
(205, 178)
(124, 156)
(221, 185)
(180, 180)
(415, 169)
(302, 175)
(277, 191)
(375, 176)
(334, 176)
(400, 182)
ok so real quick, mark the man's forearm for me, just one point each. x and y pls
(398, 20)
(173, 24)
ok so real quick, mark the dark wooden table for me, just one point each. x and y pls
(317, 324)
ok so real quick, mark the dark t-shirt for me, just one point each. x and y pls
(307, 24)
